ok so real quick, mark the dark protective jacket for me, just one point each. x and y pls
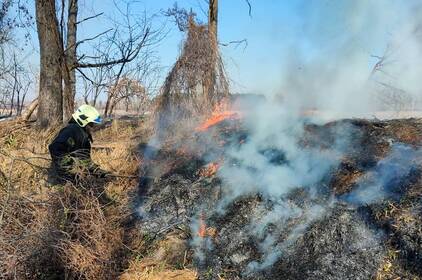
(72, 144)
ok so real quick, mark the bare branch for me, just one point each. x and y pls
(237, 43)
(85, 76)
(180, 15)
(88, 18)
(90, 39)
(250, 7)
(127, 58)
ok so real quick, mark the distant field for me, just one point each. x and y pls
(382, 115)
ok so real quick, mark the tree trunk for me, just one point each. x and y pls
(210, 79)
(96, 94)
(50, 109)
(213, 19)
(107, 105)
(112, 106)
(71, 61)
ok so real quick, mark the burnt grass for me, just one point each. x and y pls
(380, 240)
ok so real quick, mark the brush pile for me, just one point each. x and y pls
(197, 81)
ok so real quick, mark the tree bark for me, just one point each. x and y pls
(213, 18)
(50, 108)
(210, 79)
(107, 105)
(71, 61)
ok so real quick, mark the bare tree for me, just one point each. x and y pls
(390, 95)
(130, 44)
(96, 79)
(95, 85)
(126, 90)
(14, 88)
(14, 83)
(213, 19)
(22, 19)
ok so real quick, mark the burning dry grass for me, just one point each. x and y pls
(66, 231)
(209, 170)
(347, 243)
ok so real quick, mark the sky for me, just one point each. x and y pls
(285, 39)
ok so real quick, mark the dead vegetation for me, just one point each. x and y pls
(197, 82)
(82, 232)
(85, 231)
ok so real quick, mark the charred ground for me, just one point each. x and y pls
(376, 239)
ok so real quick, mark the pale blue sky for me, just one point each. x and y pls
(282, 35)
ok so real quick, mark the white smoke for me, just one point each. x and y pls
(385, 179)
(251, 168)
(344, 41)
(270, 247)
(200, 244)
(273, 162)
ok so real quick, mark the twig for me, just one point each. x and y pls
(128, 58)
(237, 42)
(91, 38)
(250, 7)
(167, 228)
(88, 18)
(85, 76)
(122, 176)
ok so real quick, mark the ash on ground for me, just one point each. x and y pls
(338, 227)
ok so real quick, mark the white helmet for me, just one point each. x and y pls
(86, 114)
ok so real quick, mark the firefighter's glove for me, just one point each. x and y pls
(101, 173)
(98, 172)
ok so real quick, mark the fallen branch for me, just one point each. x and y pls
(122, 176)
(28, 113)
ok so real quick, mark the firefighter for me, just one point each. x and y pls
(71, 147)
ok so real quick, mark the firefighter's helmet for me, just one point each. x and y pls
(86, 114)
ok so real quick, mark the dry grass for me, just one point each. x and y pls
(169, 258)
(148, 269)
(153, 274)
(91, 237)
(67, 231)
(391, 268)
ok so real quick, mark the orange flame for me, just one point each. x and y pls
(221, 112)
(210, 169)
(205, 231)
(202, 231)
